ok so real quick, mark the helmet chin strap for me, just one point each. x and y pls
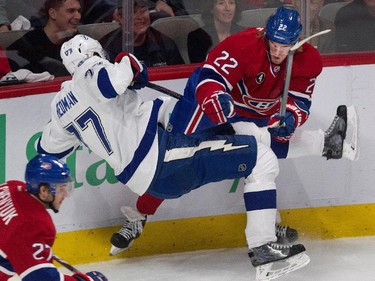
(50, 204)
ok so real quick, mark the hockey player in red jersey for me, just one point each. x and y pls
(242, 82)
(26, 228)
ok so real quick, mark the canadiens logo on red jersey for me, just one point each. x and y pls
(261, 106)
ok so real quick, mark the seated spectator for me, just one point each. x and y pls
(219, 17)
(4, 22)
(327, 42)
(39, 50)
(355, 26)
(167, 8)
(150, 45)
(4, 64)
(92, 11)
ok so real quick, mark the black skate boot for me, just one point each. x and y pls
(285, 234)
(273, 260)
(335, 135)
(131, 230)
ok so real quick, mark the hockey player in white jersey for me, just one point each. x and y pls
(100, 109)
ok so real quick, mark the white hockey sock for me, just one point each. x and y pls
(306, 143)
(260, 199)
(260, 227)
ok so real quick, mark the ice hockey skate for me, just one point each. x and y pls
(285, 234)
(273, 260)
(132, 229)
(336, 144)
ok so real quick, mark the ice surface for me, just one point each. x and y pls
(349, 259)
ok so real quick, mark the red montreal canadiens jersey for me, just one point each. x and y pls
(27, 234)
(240, 65)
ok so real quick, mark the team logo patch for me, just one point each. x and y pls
(276, 69)
(46, 166)
(169, 128)
(260, 77)
(242, 167)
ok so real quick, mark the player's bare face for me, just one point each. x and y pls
(224, 10)
(68, 16)
(278, 52)
(63, 190)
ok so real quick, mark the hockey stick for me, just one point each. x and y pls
(163, 90)
(65, 264)
(288, 74)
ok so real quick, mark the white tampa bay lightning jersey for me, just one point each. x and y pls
(96, 109)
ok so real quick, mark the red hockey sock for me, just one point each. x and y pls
(148, 204)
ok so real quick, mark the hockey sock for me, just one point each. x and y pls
(148, 204)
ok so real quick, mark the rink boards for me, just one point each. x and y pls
(322, 199)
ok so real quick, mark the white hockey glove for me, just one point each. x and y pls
(140, 72)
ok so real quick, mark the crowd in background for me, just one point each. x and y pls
(49, 23)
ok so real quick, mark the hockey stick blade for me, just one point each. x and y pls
(300, 43)
(163, 90)
(65, 264)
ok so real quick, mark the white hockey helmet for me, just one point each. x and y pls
(76, 50)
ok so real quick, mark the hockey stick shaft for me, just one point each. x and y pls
(163, 90)
(289, 63)
(65, 264)
(288, 73)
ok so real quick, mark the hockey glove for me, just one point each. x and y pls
(90, 276)
(140, 81)
(139, 70)
(282, 131)
(218, 107)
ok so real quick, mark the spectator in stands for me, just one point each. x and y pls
(355, 26)
(92, 11)
(150, 45)
(327, 42)
(39, 49)
(4, 22)
(167, 8)
(219, 17)
(4, 64)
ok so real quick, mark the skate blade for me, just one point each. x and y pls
(351, 146)
(115, 250)
(277, 269)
